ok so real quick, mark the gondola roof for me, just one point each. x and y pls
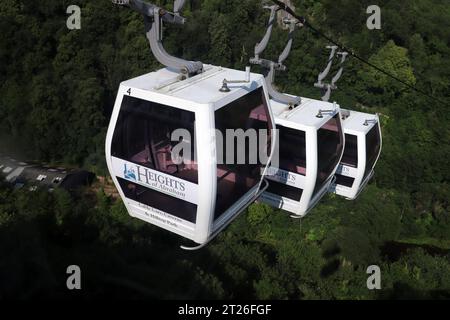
(304, 114)
(355, 122)
(202, 88)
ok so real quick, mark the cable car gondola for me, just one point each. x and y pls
(311, 140)
(195, 195)
(311, 144)
(362, 150)
(362, 140)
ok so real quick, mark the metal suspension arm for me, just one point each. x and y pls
(260, 47)
(325, 72)
(270, 77)
(283, 56)
(270, 66)
(273, 93)
(339, 73)
(178, 6)
(328, 87)
(154, 17)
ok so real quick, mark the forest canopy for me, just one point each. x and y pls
(57, 89)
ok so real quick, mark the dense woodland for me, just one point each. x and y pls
(57, 89)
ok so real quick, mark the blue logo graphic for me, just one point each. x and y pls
(129, 173)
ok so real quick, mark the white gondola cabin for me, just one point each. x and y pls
(362, 150)
(311, 144)
(201, 195)
(310, 138)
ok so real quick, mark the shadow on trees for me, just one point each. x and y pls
(117, 260)
(403, 291)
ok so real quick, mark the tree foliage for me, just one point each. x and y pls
(57, 89)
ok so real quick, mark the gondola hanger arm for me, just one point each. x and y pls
(327, 69)
(328, 87)
(270, 66)
(154, 17)
(178, 6)
(341, 69)
(261, 46)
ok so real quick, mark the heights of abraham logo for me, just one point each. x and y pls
(129, 173)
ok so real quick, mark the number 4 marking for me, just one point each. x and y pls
(129, 91)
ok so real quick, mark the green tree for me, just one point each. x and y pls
(394, 60)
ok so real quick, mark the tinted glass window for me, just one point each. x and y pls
(373, 144)
(344, 180)
(143, 136)
(292, 150)
(350, 156)
(234, 179)
(179, 208)
(284, 190)
(329, 146)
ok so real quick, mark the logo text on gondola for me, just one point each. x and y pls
(156, 180)
(148, 177)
